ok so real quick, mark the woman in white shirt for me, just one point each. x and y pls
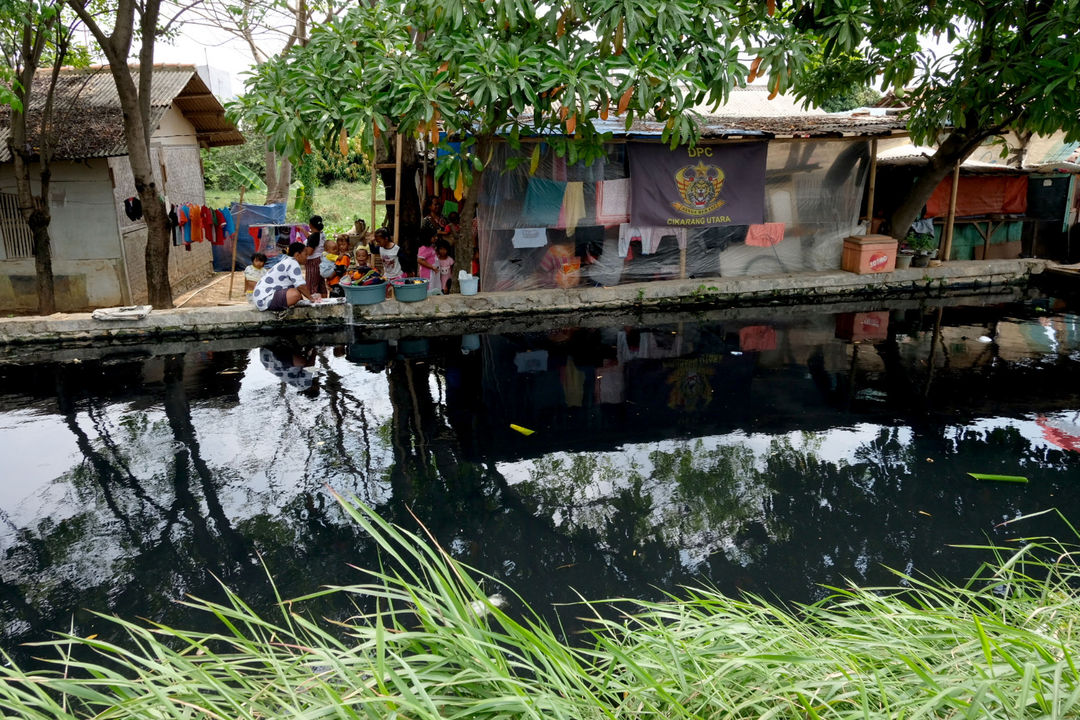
(284, 285)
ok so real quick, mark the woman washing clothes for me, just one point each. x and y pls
(284, 285)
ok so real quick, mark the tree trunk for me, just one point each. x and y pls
(34, 210)
(39, 226)
(407, 195)
(954, 150)
(135, 106)
(158, 241)
(278, 178)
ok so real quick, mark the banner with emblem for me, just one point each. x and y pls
(705, 186)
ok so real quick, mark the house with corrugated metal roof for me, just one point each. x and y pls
(98, 249)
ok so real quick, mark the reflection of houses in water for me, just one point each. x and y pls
(596, 389)
(600, 388)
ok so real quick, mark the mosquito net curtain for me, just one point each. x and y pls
(565, 225)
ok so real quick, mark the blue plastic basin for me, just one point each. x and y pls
(365, 294)
(409, 292)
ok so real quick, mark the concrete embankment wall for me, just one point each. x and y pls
(458, 313)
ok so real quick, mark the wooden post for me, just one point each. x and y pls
(235, 240)
(986, 238)
(374, 186)
(950, 219)
(870, 189)
(397, 191)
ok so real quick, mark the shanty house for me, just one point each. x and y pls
(98, 248)
(1014, 196)
(769, 188)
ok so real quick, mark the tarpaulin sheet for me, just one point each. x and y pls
(570, 225)
(245, 216)
(978, 195)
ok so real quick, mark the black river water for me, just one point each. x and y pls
(772, 452)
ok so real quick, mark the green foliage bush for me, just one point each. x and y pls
(329, 164)
(218, 163)
(855, 97)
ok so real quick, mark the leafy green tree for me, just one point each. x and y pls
(1013, 66)
(263, 24)
(221, 165)
(477, 68)
(850, 99)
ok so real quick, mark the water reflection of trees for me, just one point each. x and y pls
(148, 523)
(152, 518)
(783, 525)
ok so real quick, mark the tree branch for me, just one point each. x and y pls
(179, 12)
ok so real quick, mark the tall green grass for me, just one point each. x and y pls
(435, 642)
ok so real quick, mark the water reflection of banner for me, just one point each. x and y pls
(705, 186)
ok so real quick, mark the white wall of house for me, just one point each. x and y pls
(177, 169)
(87, 264)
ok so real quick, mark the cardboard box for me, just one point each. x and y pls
(863, 327)
(869, 254)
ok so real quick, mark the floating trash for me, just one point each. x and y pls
(999, 478)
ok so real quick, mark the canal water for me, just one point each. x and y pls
(771, 452)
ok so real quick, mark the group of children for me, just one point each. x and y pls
(342, 264)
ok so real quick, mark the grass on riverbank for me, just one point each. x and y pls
(339, 204)
(1004, 646)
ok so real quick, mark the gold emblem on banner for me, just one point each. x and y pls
(699, 186)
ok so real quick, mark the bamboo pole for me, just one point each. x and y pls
(374, 184)
(870, 189)
(950, 219)
(235, 240)
(397, 193)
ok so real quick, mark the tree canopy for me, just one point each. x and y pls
(1013, 66)
(475, 67)
(478, 67)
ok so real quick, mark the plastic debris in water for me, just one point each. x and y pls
(999, 478)
(523, 430)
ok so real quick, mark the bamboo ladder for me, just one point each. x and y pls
(396, 165)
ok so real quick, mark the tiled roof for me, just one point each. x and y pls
(749, 113)
(89, 122)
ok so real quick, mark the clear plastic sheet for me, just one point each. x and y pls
(568, 225)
